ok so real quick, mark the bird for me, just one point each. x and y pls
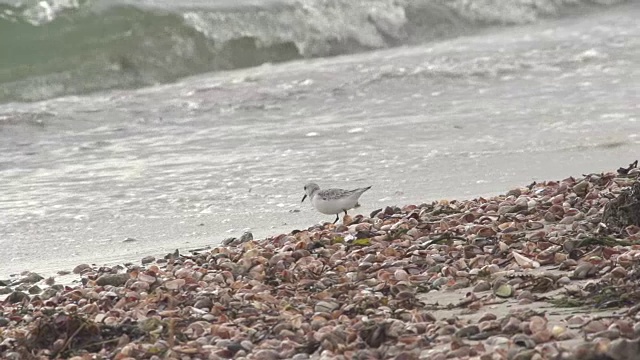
(333, 201)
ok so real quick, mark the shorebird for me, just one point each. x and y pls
(333, 201)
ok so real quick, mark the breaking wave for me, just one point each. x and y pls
(59, 47)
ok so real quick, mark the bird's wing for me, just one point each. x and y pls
(332, 194)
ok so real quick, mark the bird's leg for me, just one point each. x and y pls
(345, 214)
(337, 218)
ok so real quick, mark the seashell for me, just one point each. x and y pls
(325, 306)
(183, 273)
(174, 284)
(401, 275)
(467, 218)
(485, 231)
(506, 225)
(140, 286)
(558, 199)
(535, 225)
(524, 261)
(146, 278)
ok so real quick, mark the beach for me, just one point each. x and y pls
(544, 271)
(153, 156)
(189, 163)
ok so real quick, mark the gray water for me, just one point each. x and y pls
(187, 164)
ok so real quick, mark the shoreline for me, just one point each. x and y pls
(512, 276)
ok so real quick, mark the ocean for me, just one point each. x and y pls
(133, 128)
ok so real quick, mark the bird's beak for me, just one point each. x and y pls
(304, 197)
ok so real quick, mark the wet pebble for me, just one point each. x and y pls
(148, 259)
(112, 279)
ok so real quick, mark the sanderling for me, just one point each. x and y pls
(333, 201)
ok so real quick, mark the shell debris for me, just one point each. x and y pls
(513, 276)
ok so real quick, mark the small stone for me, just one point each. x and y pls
(611, 334)
(524, 355)
(467, 331)
(487, 317)
(514, 192)
(581, 188)
(248, 236)
(5, 290)
(266, 354)
(542, 336)
(228, 241)
(81, 268)
(174, 255)
(48, 293)
(35, 289)
(594, 326)
(488, 326)
(147, 259)
(537, 323)
(31, 278)
(16, 297)
(584, 270)
(374, 213)
(139, 286)
(209, 317)
(481, 286)
(624, 349)
(526, 294)
(203, 303)
(129, 239)
(116, 280)
(619, 272)
(4, 321)
(512, 325)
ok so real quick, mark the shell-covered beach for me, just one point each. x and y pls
(547, 270)
(153, 155)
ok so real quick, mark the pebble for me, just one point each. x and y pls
(16, 297)
(482, 286)
(81, 268)
(112, 279)
(148, 259)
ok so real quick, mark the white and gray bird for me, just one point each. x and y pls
(333, 201)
